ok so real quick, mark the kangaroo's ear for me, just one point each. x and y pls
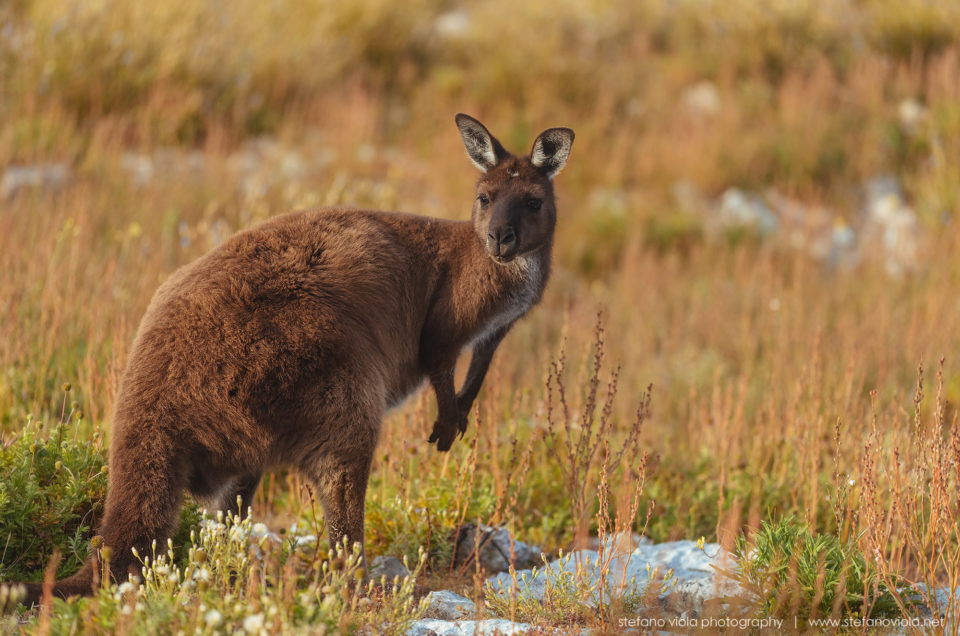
(551, 150)
(483, 148)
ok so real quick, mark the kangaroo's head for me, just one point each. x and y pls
(514, 212)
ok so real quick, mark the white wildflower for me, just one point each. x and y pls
(212, 618)
(253, 624)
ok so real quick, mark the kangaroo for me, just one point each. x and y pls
(285, 346)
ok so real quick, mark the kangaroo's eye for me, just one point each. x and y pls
(483, 199)
(534, 204)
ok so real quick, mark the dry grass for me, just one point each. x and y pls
(780, 385)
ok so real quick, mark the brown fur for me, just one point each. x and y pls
(285, 346)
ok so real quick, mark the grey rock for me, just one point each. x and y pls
(918, 594)
(815, 229)
(140, 167)
(683, 574)
(495, 545)
(890, 224)
(744, 209)
(618, 541)
(447, 605)
(702, 99)
(44, 176)
(435, 627)
(453, 25)
(388, 566)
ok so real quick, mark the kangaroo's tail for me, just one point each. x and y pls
(81, 583)
(143, 505)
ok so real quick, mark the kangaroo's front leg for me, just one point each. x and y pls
(453, 408)
(448, 414)
(479, 363)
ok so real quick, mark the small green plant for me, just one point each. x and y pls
(51, 495)
(566, 597)
(794, 572)
(399, 528)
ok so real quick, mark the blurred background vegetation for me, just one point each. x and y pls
(761, 200)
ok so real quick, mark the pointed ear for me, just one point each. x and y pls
(483, 148)
(551, 150)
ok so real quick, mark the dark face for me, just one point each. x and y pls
(514, 212)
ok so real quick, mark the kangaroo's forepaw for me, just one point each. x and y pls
(443, 434)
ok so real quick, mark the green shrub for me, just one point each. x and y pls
(52, 489)
(51, 495)
(793, 572)
(399, 529)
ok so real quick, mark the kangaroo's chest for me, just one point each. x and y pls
(515, 303)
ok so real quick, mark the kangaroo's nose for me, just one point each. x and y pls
(503, 238)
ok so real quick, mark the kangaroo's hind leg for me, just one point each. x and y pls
(340, 473)
(143, 499)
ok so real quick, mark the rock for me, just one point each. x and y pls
(449, 606)
(139, 166)
(388, 566)
(701, 99)
(44, 176)
(619, 541)
(494, 550)
(743, 209)
(434, 627)
(683, 573)
(815, 229)
(453, 25)
(912, 114)
(918, 593)
(890, 224)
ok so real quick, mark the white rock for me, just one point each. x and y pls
(44, 176)
(702, 99)
(434, 627)
(742, 209)
(453, 25)
(450, 606)
(911, 114)
(631, 571)
(891, 225)
(139, 166)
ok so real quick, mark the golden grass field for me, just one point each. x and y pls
(784, 381)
